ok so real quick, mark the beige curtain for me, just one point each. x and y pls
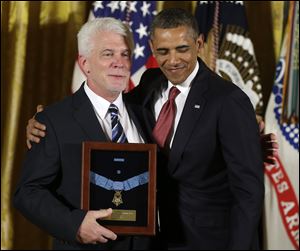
(277, 24)
(38, 51)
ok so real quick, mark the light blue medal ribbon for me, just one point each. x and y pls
(125, 185)
(119, 186)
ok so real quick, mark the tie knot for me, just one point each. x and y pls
(173, 92)
(113, 109)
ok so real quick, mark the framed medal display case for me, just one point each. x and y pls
(121, 177)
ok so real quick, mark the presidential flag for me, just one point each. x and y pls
(138, 15)
(228, 49)
(281, 209)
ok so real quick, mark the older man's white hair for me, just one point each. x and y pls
(88, 30)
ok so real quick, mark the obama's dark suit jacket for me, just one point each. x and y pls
(211, 182)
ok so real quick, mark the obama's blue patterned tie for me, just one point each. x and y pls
(117, 131)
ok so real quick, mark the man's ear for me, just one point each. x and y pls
(83, 64)
(200, 41)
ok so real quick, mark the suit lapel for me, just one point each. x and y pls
(132, 111)
(193, 108)
(85, 116)
(148, 103)
(148, 114)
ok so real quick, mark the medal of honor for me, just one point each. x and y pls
(117, 200)
(119, 186)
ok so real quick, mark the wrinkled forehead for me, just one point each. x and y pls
(109, 39)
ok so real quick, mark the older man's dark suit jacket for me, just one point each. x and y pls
(49, 191)
(211, 184)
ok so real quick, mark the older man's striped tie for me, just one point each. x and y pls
(117, 131)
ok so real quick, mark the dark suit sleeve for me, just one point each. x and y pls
(239, 136)
(36, 194)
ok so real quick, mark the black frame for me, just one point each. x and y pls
(94, 151)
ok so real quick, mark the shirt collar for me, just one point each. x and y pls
(101, 105)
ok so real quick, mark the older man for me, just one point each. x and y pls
(49, 191)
